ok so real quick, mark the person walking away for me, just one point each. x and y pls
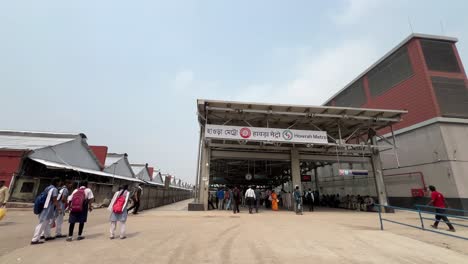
(268, 199)
(44, 207)
(80, 203)
(236, 196)
(4, 194)
(274, 200)
(297, 199)
(358, 203)
(62, 203)
(228, 198)
(369, 203)
(220, 195)
(258, 196)
(136, 199)
(250, 198)
(438, 201)
(210, 201)
(310, 200)
(118, 210)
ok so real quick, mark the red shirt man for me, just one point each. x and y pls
(438, 199)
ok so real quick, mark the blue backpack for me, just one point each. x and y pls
(40, 200)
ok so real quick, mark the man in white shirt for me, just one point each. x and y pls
(250, 198)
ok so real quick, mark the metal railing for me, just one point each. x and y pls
(422, 218)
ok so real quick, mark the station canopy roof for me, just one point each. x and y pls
(349, 121)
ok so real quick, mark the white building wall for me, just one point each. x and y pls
(439, 151)
(456, 142)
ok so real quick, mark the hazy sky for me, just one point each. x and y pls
(127, 73)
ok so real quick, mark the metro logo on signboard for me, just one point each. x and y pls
(245, 132)
(288, 135)
(265, 134)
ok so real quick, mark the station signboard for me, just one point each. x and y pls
(266, 134)
(306, 178)
(353, 172)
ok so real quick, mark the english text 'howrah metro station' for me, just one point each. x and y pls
(397, 128)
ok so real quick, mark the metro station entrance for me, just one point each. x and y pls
(326, 149)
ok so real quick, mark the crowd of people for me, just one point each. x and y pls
(230, 198)
(253, 197)
(352, 202)
(62, 197)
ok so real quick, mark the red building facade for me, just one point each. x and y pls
(423, 75)
(10, 164)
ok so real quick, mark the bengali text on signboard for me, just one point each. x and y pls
(265, 134)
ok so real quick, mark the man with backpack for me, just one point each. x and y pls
(118, 208)
(44, 206)
(79, 203)
(310, 199)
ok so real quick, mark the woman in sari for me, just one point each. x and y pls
(274, 201)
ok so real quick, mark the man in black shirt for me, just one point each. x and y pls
(136, 199)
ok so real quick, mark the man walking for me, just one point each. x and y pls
(268, 199)
(236, 197)
(3, 194)
(136, 199)
(258, 196)
(298, 200)
(438, 201)
(310, 200)
(250, 198)
(220, 195)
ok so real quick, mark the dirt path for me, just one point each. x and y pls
(168, 235)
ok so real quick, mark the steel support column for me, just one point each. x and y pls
(199, 160)
(316, 179)
(205, 176)
(378, 175)
(295, 169)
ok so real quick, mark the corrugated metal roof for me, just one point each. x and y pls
(20, 140)
(137, 168)
(112, 158)
(300, 117)
(157, 177)
(56, 165)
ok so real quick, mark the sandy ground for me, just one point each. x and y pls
(171, 234)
